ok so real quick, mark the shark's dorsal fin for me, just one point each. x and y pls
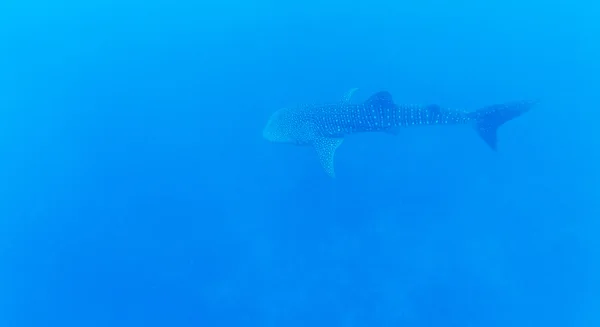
(381, 99)
(325, 147)
(348, 95)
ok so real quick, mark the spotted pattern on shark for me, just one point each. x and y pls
(324, 126)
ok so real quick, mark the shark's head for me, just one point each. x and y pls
(286, 126)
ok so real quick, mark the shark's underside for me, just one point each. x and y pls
(324, 126)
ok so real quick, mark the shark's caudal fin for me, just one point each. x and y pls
(488, 119)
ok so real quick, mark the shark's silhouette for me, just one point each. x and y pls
(324, 126)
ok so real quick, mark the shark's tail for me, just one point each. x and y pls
(488, 119)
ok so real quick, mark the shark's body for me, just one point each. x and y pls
(324, 126)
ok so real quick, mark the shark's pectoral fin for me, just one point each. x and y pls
(325, 148)
(348, 95)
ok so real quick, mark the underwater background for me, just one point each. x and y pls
(136, 188)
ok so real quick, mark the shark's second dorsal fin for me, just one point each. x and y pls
(325, 147)
(348, 95)
(381, 99)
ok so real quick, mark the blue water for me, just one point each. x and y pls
(136, 188)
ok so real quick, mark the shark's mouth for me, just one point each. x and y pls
(268, 134)
(274, 131)
(269, 130)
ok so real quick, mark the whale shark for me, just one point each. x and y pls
(324, 126)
